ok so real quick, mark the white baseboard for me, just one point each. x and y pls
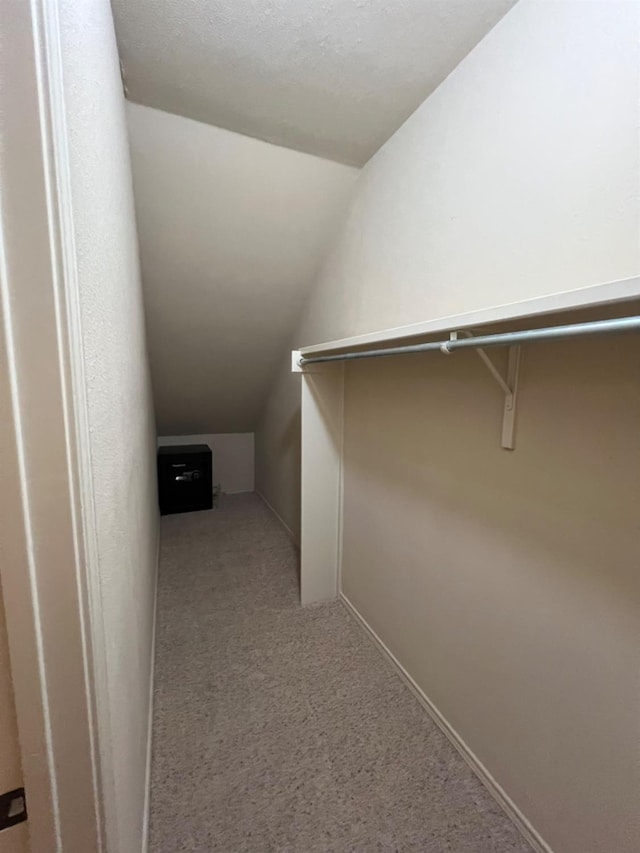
(494, 788)
(147, 790)
(279, 517)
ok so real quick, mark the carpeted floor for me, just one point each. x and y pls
(279, 728)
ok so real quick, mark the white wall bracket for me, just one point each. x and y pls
(509, 385)
(510, 399)
(296, 367)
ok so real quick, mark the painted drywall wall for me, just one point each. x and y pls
(14, 839)
(120, 407)
(331, 77)
(233, 458)
(278, 447)
(11, 774)
(507, 583)
(232, 231)
(517, 178)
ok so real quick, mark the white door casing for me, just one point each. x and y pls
(47, 554)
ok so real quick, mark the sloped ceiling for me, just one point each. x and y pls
(231, 232)
(232, 229)
(334, 78)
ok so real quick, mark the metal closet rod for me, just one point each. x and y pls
(573, 330)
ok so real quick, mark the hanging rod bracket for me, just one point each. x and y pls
(505, 339)
(444, 347)
(509, 386)
(510, 399)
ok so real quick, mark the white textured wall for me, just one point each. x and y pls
(506, 583)
(11, 775)
(232, 231)
(119, 397)
(15, 838)
(518, 177)
(233, 457)
(278, 446)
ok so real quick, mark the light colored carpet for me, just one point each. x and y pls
(281, 728)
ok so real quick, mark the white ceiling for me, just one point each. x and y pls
(334, 78)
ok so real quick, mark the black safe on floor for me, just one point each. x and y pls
(184, 478)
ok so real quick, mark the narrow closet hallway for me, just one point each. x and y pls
(282, 728)
(319, 403)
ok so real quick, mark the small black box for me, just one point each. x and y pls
(184, 478)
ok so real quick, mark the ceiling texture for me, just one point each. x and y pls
(333, 78)
(232, 230)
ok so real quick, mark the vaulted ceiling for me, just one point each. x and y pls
(232, 229)
(334, 78)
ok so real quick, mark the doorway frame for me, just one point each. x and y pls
(48, 561)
